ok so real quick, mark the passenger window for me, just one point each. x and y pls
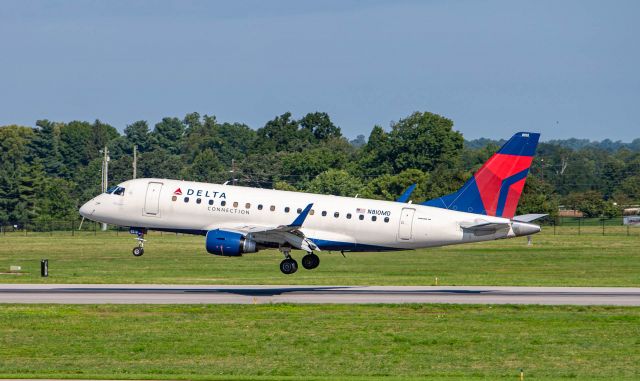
(186, 199)
(336, 214)
(223, 203)
(198, 200)
(324, 213)
(210, 202)
(235, 204)
(259, 206)
(348, 216)
(287, 209)
(173, 198)
(386, 219)
(361, 217)
(299, 210)
(272, 208)
(247, 205)
(373, 218)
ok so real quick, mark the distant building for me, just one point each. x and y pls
(631, 211)
(570, 213)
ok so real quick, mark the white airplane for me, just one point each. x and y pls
(237, 220)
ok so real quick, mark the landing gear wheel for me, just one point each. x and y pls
(310, 261)
(288, 266)
(137, 251)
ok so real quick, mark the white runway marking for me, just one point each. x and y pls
(192, 294)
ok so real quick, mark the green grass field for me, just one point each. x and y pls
(553, 260)
(353, 342)
(324, 341)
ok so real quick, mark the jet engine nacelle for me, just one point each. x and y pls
(228, 244)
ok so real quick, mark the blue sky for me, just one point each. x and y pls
(564, 68)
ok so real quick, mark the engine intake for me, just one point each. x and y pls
(228, 244)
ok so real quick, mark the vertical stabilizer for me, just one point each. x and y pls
(496, 187)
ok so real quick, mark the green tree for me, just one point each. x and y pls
(374, 156)
(390, 187)
(302, 167)
(55, 201)
(159, 163)
(138, 134)
(320, 125)
(46, 146)
(591, 203)
(538, 197)
(282, 134)
(168, 134)
(424, 141)
(31, 181)
(207, 168)
(335, 182)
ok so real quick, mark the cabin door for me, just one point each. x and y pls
(152, 199)
(406, 224)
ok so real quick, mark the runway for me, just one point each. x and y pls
(192, 294)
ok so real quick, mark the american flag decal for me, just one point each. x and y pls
(361, 210)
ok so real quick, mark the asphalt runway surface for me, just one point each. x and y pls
(191, 294)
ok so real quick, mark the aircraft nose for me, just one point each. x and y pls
(87, 209)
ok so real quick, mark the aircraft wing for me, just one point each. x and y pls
(278, 234)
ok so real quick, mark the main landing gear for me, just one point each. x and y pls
(290, 266)
(310, 261)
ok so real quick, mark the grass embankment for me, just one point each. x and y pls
(560, 260)
(300, 341)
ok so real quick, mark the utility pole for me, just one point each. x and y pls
(135, 161)
(234, 181)
(105, 175)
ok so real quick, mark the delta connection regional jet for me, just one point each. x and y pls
(237, 220)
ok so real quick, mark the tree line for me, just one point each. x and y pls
(47, 171)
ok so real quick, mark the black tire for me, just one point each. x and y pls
(137, 251)
(310, 261)
(288, 266)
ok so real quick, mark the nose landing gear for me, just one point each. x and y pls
(138, 250)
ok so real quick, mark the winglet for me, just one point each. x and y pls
(300, 219)
(404, 197)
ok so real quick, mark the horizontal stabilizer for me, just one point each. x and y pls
(487, 227)
(529, 217)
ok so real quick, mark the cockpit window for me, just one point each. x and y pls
(118, 191)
